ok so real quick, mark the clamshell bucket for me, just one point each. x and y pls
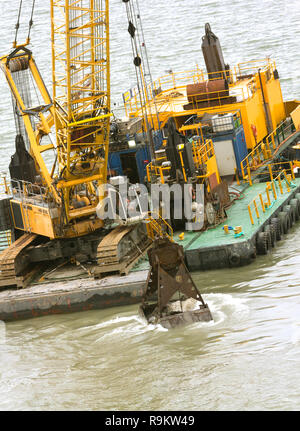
(171, 298)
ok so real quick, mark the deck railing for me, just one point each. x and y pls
(265, 200)
(265, 150)
(158, 227)
(165, 90)
(4, 186)
(202, 152)
(154, 170)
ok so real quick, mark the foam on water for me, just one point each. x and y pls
(222, 307)
(2, 332)
(132, 325)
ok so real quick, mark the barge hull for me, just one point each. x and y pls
(70, 297)
(88, 294)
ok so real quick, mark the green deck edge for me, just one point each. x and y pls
(237, 215)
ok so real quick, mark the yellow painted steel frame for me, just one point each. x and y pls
(203, 154)
(245, 84)
(80, 111)
(36, 147)
(158, 226)
(81, 91)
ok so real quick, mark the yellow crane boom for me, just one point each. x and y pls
(81, 88)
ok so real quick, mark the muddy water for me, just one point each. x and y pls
(248, 357)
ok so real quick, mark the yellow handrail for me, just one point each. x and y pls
(271, 169)
(4, 186)
(157, 171)
(202, 152)
(263, 151)
(167, 87)
(158, 227)
(263, 200)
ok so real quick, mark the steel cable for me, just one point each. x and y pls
(18, 23)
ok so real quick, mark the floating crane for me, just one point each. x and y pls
(55, 199)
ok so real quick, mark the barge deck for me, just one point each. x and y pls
(72, 290)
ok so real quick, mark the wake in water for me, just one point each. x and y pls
(223, 307)
(2, 332)
(126, 325)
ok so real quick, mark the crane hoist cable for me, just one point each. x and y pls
(30, 24)
(139, 69)
(143, 44)
(131, 30)
(18, 23)
(30, 21)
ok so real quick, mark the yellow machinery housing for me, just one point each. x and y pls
(253, 89)
(203, 155)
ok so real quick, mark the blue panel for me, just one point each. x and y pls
(114, 163)
(142, 155)
(240, 147)
(142, 159)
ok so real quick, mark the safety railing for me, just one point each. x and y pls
(4, 186)
(265, 200)
(225, 121)
(158, 227)
(251, 67)
(265, 150)
(269, 171)
(167, 90)
(174, 99)
(196, 128)
(29, 193)
(202, 152)
(157, 171)
(25, 190)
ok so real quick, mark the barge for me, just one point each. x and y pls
(70, 288)
(226, 129)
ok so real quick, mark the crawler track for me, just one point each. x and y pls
(120, 249)
(13, 262)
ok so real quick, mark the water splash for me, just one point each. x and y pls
(2, 332)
